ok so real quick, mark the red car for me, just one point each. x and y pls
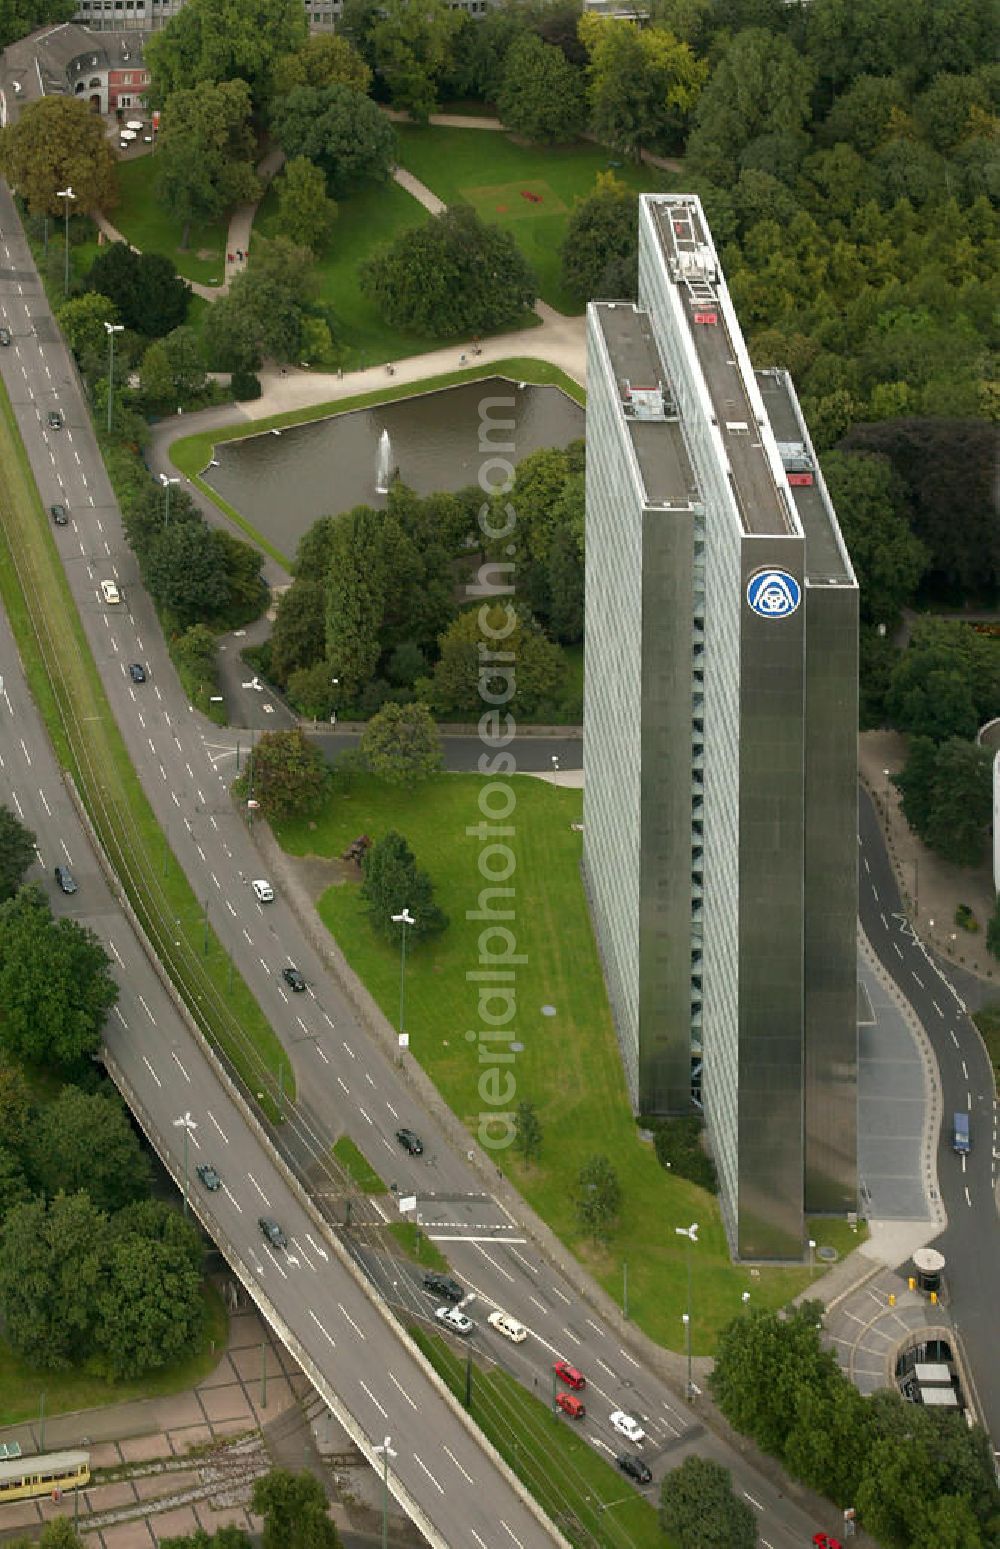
(569, 1374)
(571, 1405)
(826, 1541)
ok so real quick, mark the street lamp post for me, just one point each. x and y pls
(66, 194)
(334, 683)
(812, 1250)
(691, 1233)
(555, 769)
(112, 329)
(188, 1125)
(405, 919)
(386, 1450)
(166, 494)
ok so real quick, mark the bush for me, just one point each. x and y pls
(245, 385)
(965, 917)
(679, 1149)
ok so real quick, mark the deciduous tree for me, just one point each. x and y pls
(402, 745)
(527, 1132)
(761, 86)
(600, 253)
(541, 95)
(82, 320)
(294, 1510)
(147, 291)
(341, 130)
(287, 775)
(184, 573)
(413, 50)
(84, 1140)
(272, 295)
(55, 983)
(452, 275)
(51, 1266)
(947, 682)
(948, 797)
(149, 1310)
(298, 638)
(205, 152)
(17, 851)
(19, 17)
(888, 560)
(15, 1105)
(57, 142)
(700, 1511)
(212, 42)
(393, 882)
(598, 1196)
(464, 685)
(643, 83)
(306, 213)
(325, 59)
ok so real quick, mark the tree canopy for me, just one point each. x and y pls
(947, 683)
(294, 1510)
(325, 59)
(643, 83)
(286, 774)
(700, 1511)
(148, 294)
(541, 94)
(412, 47)
(57, 142)
(393, 882)
(530, 674)
(341, 130)
(888, 560)
(401, 744)
(210, 42)
(452, 275)
(306, 213)
(600, 253)
(17, 851)
(268, 302)
(947, 796)
(205, 152)
(85, 1141)
(55, 983)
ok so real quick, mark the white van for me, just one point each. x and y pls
(508, 1327)
(111, 592)
(263, 891)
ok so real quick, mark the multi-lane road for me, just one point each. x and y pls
(968, 1184)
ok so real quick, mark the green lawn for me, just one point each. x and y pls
(357, 1166)
(489, 171)
(365, 221)
(141, 218)
(588, 1498)
(22, 1386)
(988, 1022)
(70, 696)
(416, 1245)
(570, 1066)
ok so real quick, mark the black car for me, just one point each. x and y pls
(209, 1177)
(410, 1142)
(55, 419)
(634, 1467)
(443, 1285)
(272, 1231)
(137, 672)
(59, 515)
(65, 879)
(293, 978)
(4, 335)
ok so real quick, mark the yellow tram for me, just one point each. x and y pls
(22, 1478)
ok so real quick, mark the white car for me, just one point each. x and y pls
(111, 592)
(263, 891)
(508, 1327)
(455, 1320)
(627, 1426)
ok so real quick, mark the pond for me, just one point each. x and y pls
(283, 483)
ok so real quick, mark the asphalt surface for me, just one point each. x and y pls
(971, 1240)
(345, 1083)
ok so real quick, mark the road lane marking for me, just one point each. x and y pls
(218, 1126)
(753, 1503)
(570, 1335)
(951, 1032)
(116, 952)
(174, 1056)
(274, 1261)
(562, 1295)
(378, 1406)
(152, 1072)
(147, 1011)
(365, 1116)
(232, 1199)
(323, 1056)
(229, 906)
(447, 1449)
(899, 951)
(937, 1008)
(594, 1326)
(349, 1049)
(247, 935)
(360, 1332)
(325, 1332)
(118, 1014)
(478, 1539)
(500, 1270)
(260, 1191)
(919, 980)
(48, 809)
(342, 1083)
(316, 1247)
(24, 750)
(968, 1197)
(506, 1530)
(440, 1487)
(965, 1071)
(392, 1109)
(401, 1389)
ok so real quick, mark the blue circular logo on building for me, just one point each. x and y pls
(773, 594)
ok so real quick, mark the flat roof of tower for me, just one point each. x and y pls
(827, 561)
(646, 404)
(691, 267)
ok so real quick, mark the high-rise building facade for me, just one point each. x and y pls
(720, 847)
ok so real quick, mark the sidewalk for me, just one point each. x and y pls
(931, 886)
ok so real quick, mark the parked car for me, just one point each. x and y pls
(293, 979)
(263, 891)
(627, 1426)
(59, 515)
(209, 1177)
(410, 1141)
(569, 1374)
(443, 1285)
(4, 335)
(508, 1327)
(137, 672)
(65, 879)
(110, 592)
(571, 1405)
(634, 1467)
(272, 1231)
(54, 419)
(455, 1320)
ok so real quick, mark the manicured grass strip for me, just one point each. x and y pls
(569, 1067)
(52, 644)
(191, 455)
(22, 1385)
(141, 218)
(358, 1167)
(593, 1504)
(988, 1022)
(491, 172)
(415, 1243)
